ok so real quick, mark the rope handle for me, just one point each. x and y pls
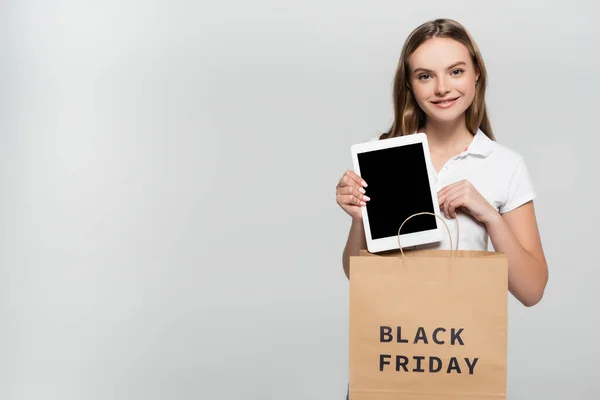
(445, 224)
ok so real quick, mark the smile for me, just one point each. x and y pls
(445, 103)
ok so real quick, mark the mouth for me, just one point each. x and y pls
(446, 103)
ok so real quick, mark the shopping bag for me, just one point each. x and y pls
(428, 324)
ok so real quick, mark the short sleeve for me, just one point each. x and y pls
(520, 189)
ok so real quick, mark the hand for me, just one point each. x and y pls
(463, 195)
(350, 194)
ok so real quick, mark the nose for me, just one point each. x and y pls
(442, 87)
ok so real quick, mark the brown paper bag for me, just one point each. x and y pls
(428, 324)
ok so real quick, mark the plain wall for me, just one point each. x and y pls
(168, 225)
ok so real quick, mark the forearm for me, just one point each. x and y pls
(527, 276)
(356, 241)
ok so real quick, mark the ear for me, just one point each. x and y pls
(477, 75)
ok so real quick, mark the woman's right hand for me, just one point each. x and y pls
(350, 194)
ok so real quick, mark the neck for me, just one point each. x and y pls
(448, 137)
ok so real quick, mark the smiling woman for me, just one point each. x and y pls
(439, 90)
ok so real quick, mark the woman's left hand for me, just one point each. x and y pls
(464, 195)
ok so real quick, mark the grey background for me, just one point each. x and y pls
(168, 225)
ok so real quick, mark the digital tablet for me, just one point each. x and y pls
(400, 182)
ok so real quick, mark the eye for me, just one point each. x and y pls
(457, 72)
(423, 77)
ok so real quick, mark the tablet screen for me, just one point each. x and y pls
(399, 187)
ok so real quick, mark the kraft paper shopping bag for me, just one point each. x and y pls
(428, 324)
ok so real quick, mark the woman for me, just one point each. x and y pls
(439, 89)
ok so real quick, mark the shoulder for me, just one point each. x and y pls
(502, 156)
(510, 174)
(506, 156)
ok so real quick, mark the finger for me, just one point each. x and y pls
(356, 178)
(448, 197)
(348, 186)
(441, 198)
(358, 193)
(450, 191)
(458, 200)
(354, 210)
(442, 193)
(445, 208)
(453, 205)
(345, 200)
(452, 186)
(350, 200)
(347, 180)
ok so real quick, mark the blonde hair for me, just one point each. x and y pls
(408, 116)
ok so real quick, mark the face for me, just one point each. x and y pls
(442, 79)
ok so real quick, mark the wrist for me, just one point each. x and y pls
(357, 223)
(493, 218)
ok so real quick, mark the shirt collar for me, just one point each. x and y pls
(481, 145)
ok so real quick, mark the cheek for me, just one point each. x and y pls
(466, 87)
(421, 92)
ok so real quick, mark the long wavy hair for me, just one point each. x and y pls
(408, 116)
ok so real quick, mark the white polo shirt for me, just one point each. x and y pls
(498, 173)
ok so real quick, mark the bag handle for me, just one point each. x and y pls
(445, 224)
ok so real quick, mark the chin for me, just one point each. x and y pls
(444, 117)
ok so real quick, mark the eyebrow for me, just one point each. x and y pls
(420, 69)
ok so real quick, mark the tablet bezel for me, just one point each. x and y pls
(407, 239)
